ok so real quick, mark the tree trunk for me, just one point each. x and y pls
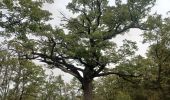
(87, 90)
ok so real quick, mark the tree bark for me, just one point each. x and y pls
(87, 90)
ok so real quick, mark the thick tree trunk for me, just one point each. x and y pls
(87, 90)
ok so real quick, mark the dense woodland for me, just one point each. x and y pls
(83, 47)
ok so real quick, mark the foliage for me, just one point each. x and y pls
(85, 51)
(153, 84)
(21, 79)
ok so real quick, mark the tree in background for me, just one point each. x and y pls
(121, 88)
(20, 79)
(86, 50)
(159, 53)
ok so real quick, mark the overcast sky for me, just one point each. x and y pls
(161, 7)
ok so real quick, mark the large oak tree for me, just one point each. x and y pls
(86, 50)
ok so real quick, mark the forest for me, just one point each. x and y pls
(83, 46)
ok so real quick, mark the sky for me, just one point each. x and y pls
(161, 7)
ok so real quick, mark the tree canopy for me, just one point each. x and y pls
(87, 49)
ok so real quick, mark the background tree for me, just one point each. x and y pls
(55, 88)
(86, 50)
(131, 88)
(20, 79)
(74, 89)
(6, 74)
(159, 53)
